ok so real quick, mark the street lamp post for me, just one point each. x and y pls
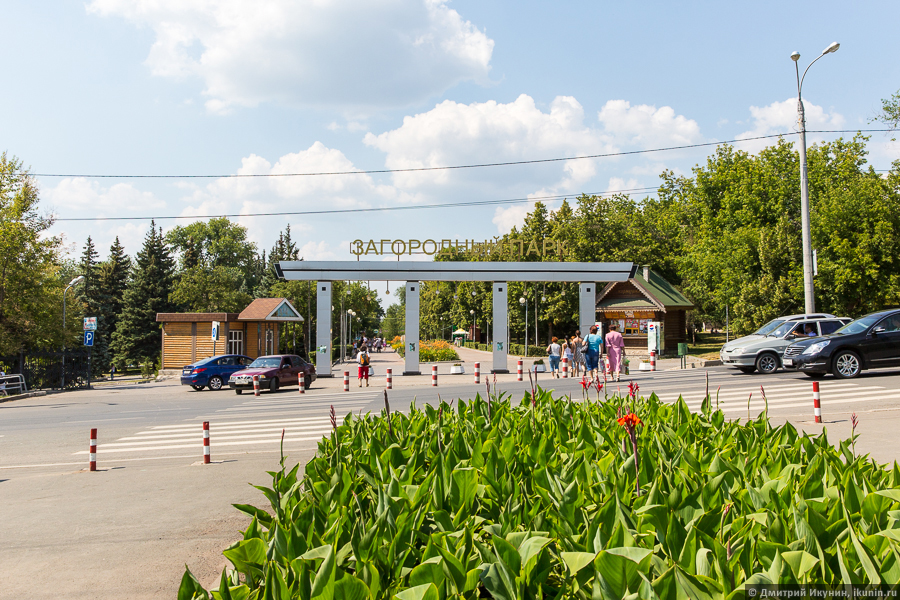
(524, 301)
(808, 287)
(472, 312)
(72, 284)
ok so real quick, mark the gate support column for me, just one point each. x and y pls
(411, 365)
(323, 329)
(501, 352)
(587, 307)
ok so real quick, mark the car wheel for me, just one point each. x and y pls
(238, 392)
(815, 375)
(307, 382)
(199, 388)
(746, 369)
(215, 383)
(846, 365)
(767, 363)
(273, 387)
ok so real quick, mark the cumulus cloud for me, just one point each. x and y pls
(383, 53)
(781, 117)
(81, 197)
(647, 126)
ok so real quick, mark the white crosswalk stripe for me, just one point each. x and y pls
(254, 423)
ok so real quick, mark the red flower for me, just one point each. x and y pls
(629, 421)
(585, 383)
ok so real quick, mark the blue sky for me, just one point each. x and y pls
(279, 86)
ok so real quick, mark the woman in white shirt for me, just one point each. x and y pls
(553, 351)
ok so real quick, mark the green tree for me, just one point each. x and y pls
(112, 279)
(31, 283)
(137, 337)
(94, 304)
(890, 111)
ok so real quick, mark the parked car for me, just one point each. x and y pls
(274, 372)
(870, 342)
(763, 349)
(213, 372)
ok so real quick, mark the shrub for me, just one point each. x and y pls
(554, 499)
(433, 351)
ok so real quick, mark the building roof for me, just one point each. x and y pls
(195, 317)
(270, 309)
(658, 294)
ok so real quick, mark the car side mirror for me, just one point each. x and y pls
(878, 330)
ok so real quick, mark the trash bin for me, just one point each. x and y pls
(682, 349)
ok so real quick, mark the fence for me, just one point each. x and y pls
(42, 369)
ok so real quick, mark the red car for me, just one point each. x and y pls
(274, 372)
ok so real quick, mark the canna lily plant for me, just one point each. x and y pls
(630, 422)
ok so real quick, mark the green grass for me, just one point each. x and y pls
(707, 346)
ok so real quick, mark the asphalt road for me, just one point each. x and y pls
(127, 530)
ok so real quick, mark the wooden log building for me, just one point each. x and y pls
(643, 298)
(254, 332)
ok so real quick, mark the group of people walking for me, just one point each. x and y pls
(584, 354)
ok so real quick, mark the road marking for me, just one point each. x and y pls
(199, 446)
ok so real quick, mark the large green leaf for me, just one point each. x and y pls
(427, 591)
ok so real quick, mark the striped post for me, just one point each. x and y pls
(390, 379)
(256, 385)
(346, 381)
(92, 451)
(433, 375)
(519, 370)
(565, 367)
(478, 372)
(205, 442)
(301, 381)
(653, 360)
(817, 408)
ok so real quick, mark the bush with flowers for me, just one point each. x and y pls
(610, 497)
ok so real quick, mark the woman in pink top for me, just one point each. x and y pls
(615, 349)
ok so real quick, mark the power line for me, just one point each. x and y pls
(454, 167)
(360, 210)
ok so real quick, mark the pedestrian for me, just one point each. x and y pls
(615, 349)
(569, 352)
(593, 347)
(553, 352)
(578, 363)
(362, 359)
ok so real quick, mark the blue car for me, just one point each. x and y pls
(213, 372)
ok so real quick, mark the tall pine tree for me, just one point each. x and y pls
(92, 298)
(112, 279)
(137, 337)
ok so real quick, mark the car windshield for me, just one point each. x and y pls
(859, 325)
(768, 327)
(271, 361)
(784, 329)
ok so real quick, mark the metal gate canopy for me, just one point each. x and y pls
(587, 274)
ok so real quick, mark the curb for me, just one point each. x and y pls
(23, 396)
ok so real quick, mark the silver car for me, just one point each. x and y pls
(763, 349)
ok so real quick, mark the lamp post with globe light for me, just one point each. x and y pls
(523, 300)
(808, 287)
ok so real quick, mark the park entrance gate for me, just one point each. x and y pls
(414, 272)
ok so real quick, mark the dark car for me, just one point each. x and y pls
(870, 342)
(274, 372)
(213, 372)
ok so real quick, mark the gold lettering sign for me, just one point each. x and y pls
(492, 249)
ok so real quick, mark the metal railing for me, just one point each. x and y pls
(12, 382)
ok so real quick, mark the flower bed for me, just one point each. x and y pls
(558, 499)
(432, 351)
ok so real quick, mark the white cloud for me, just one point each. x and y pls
(80, 197)
(647, 126)
(337, 53)
(781, 117)
(617, 184)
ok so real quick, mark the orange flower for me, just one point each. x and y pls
(629, 421)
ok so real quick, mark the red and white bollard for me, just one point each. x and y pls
(477, 372)
(92, 451)
(205, 442)
(256, 385)
(817, 408)
(519, 370)
(433, 375)
(653, 360)
(346, 381)
(390, 379)
(565, 367)
(301, 381)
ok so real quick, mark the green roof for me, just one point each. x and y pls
(662, 290)
(626, 304)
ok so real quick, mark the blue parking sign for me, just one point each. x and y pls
(88, 338)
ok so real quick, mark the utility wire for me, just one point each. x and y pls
(453, 167)
(360, 210)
